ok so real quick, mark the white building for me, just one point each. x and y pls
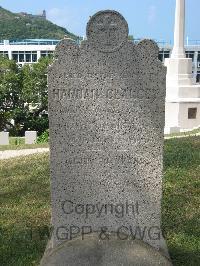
(27, 51)
(30, 50)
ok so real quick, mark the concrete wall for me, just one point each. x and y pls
(171, 116)
(186, 123)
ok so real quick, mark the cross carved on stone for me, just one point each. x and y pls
(107, 26)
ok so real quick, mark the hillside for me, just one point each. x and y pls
(16, 26)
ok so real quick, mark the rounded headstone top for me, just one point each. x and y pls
(107, 31)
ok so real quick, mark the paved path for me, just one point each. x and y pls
(16, 153)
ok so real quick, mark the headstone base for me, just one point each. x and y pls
(93, 251)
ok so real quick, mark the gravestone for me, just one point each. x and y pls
(30, 137)
(106, 115)
(4, 138)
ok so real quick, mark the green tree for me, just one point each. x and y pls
(35, 94)
(10, 91)
(23, 96)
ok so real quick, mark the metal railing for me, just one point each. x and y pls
(29, 42)
(161, 43)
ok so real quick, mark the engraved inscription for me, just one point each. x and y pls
(123, 158)
(85, 93)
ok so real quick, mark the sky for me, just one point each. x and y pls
(146, 18)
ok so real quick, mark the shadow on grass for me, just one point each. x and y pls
(183, 240)
(25, 209)
(22, 246)
(181, 257)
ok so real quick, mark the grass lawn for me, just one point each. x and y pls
(18, 143)
(23, 146)
(25, 205)
(16, 140)
(25, 208)
(187, 133)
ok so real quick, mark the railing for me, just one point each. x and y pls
(192, 42)
(161, 43)
(29, 42)
(164, 44)
(32, 42)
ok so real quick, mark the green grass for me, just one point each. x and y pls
(16, 140)
(192, 132)
(18, 143)
(25, 205)
(181, 200)
(25, 209)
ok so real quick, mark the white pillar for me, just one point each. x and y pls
(195, 64)
(9, 54)
(38, 55)
(179, 30)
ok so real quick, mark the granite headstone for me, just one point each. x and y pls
(106, 114)
(30, 137)
(4, 138)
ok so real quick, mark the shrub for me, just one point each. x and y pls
(44, 137)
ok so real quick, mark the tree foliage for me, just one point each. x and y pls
(10, 91)
(23, 96)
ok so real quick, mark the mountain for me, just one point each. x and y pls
(25, 26)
